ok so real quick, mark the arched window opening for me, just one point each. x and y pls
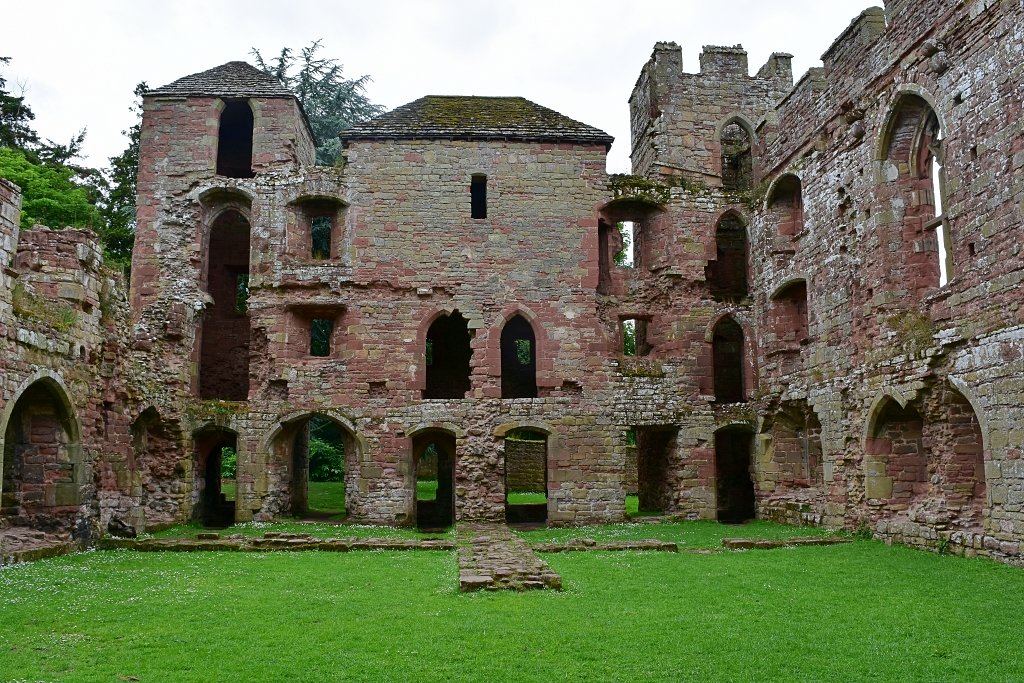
(234, 141)
(213, 485)
(957, 443)
(895, 460)
(728, 361)
(787, 206)
(224, 347)
(43, 472)
(447, 356)
(734, 483)
(796, 448)
(526, 477)
(727, 274)
(518, 359)
(737, 158)
(434, 466)
(913, 145)
(788, 318)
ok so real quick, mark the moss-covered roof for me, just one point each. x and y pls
(475, 118)
(234, 79)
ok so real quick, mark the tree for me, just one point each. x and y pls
(49, 194)
(118, 204)
(332, 103)
(15, 118)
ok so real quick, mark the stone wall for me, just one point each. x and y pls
(801, 355)
(525, 465)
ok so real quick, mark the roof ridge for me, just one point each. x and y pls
(479, 117)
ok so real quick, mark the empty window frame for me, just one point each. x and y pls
(321, 330)
(478, 196)
(518, 359)
(634, 337)
(234, 140)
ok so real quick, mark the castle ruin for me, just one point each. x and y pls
(823, 322)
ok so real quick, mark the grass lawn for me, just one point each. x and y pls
(525, 498)
(856, 612)
(426, 489)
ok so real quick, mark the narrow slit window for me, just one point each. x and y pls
(320, 331)
(634, 337)
(478, 196)
(321, 228)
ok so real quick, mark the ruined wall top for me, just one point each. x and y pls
(677, 117)
(10, 210)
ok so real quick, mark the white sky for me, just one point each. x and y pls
(79, 61)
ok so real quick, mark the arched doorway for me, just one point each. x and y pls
(216, 449)
(518, 359)
(43, 469)
(316, 465)
(734, 483)
(433, 454)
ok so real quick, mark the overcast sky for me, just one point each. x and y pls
(79, 61)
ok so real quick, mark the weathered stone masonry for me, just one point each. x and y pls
(826, 296)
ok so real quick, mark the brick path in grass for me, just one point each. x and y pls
(492, 557)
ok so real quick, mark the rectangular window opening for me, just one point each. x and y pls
(320, 332)
(634, 337)
(321, 228)
(478, 196)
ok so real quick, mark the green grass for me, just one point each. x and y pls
(316, 529)
(426, 489)
(327, 496)
(857, 612)
(324, 496)
(698, 535)
(525, 498)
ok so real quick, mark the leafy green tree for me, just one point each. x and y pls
(49, 194)
(118, 203)
(331, 101)
(326, 461)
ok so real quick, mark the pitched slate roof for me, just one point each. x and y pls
(475, 118)
(234, 79)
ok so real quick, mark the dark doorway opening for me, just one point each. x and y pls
(216, 456)
(727, 274)
(526, 477)
(447, 357)
(42, 468)
(224, 348)
(234, 144)
(727, 361)
(735, 485)
(434, 466)
(654, 448)
(318, 450)
(518, 359)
